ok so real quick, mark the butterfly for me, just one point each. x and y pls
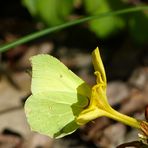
(58, 97)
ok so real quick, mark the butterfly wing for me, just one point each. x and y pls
(49, 74)
(58, 97)
(53, 113)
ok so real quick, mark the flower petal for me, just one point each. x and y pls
(98, 64)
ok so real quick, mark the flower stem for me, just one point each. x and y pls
(113, 114)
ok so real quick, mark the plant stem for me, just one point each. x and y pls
(113, 114)
(38, 34)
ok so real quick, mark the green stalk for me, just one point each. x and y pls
(113, 114)
(38, 34)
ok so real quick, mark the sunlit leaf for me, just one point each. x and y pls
(52, 12)
(103, 27)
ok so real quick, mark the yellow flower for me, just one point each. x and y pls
(98, 105)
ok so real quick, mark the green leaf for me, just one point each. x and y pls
(106, 26)
(138, 24)
(31, 5)
(103, 27)
(52, 12)
(58, 97)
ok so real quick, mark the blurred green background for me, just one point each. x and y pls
(54, 12)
